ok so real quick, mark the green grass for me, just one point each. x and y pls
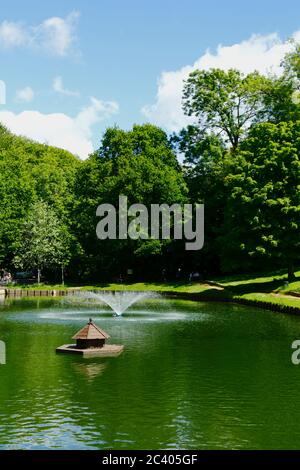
(140, 286)
(41, 286)
(275, 283)
(205, 291)
(154, 286)
(271, 298)
(270, 287)
(292, 287)
(252, 277)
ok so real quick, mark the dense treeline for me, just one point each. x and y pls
(241, 158)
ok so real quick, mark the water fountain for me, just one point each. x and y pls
(118, 301)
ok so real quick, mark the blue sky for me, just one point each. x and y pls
(107, 59)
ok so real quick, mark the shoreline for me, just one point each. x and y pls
(208, 292)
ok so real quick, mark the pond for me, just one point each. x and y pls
(192, 376)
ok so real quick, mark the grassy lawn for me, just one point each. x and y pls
(156, 286)
(292, 287)
(139, 286)
(273, 279)
(275, 283)
(274, 299)
(204, 290)
(266, 288)
(249, 278)
(272, 288)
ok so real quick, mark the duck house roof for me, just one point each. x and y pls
(91, 331)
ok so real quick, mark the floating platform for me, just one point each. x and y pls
(108, 350)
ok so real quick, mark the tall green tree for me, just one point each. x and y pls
(204, 174)
(141, 165)
(43, 240)
(291, 62)
(226, 103)
(262, 214)
(30, 171)
(17, 194)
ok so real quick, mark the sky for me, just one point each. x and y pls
(73, 68)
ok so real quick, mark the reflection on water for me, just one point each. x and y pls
(192, 375)
(90, 370)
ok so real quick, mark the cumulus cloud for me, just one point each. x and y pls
(12, 34)
(61, 130)
(25, 95)
(58, 87)
(55, 35)
(261, 53)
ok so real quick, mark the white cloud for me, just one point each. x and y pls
(61, 130)
(55, 35)
(58, 87)
(25, 94)
(261, 53)
(12, 34)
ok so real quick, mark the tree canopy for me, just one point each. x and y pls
(43, 240)
(139, 164)
(262, 214)
(226, 103)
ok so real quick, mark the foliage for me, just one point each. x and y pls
(141, 165)
(262, 215)
(29, 172)
(226, 103)
(43, 240)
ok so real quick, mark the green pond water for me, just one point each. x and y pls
(192, 375)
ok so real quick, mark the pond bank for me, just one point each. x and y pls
(202, 292)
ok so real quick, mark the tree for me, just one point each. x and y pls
(204, 175)
(17, 194)
(43, 240)
(30, 171)
(282, 95)
(140, 164)
(291, 62)
(226, 103)
(262, 214)
(281, 100)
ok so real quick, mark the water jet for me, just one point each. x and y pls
(118, 301)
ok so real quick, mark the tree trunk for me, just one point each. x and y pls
(39, 275)
(291, 275)
(62, 275)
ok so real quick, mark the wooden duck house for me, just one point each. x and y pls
(90, 341)
(90, 336)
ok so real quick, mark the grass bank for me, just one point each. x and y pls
(271, 288)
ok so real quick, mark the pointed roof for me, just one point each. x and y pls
(91, 331)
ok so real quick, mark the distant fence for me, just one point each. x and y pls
(38, 292)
